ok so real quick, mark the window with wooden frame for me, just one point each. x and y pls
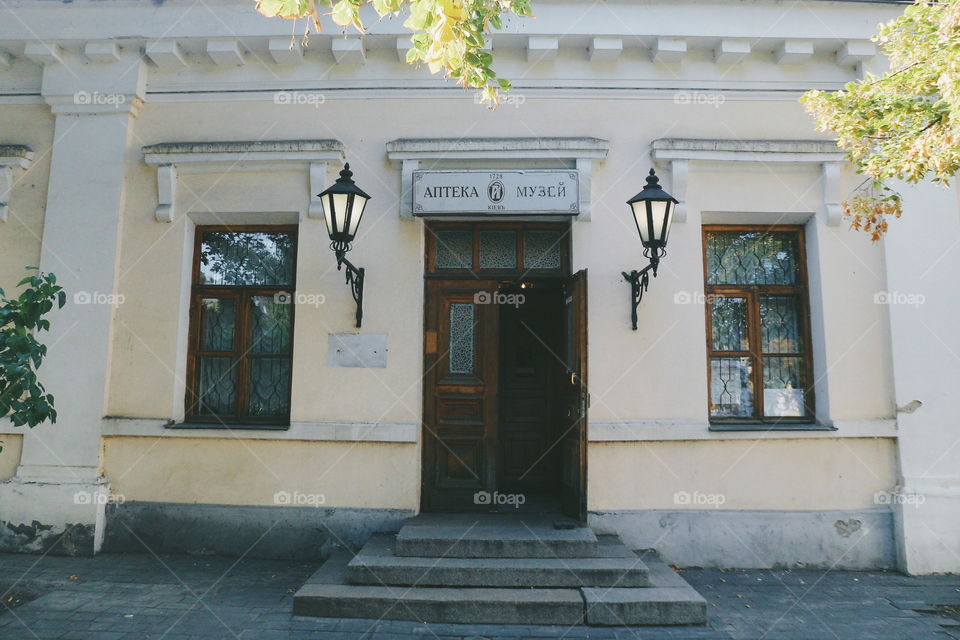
(758, 328)
(498, 248)
(241, 325)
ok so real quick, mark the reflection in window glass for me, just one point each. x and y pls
(780, 324)
(217, 386)
(729, 318)
(783, 387)
(218, 324)
(246, 258)
(731, 387)
(269, 386)
(751, 258)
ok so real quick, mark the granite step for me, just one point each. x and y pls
(668, 600)
(614, 566)
(494, 536)
(327, 595)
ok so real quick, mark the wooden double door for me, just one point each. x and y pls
(505, 395)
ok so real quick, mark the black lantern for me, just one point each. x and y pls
(652, 210)
(343, 206)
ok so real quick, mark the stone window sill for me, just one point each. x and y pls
(228, 426)
(761, 426)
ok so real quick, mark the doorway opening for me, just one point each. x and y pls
(504, 371)
(528, 429)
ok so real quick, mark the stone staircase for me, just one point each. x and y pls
(499, 569)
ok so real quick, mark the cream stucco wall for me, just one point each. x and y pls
(779, 475)
(10, 455)
(230, 471)
(666, 357)
(853, 370)
(30, 125)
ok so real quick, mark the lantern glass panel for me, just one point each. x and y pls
(658, 215)
(640, 217)
(671, 208)
(327, 202)
(359, 203)
(339, 211)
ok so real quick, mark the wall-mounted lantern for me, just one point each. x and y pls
(653, 213)
(343, 206)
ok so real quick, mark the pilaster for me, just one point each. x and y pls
(57, 498)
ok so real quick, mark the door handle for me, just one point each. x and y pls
(573, 377)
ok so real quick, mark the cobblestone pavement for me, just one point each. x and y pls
(109, 597)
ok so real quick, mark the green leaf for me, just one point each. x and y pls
(284, 8)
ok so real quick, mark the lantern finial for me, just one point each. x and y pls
(653, 182)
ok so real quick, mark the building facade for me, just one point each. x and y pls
(787, 398)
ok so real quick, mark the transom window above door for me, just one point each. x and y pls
(758, 339)
(498, 248)
(241, 325)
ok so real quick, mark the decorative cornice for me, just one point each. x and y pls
(558, 148)
(175, 158)
(497, 153)
(247, 151)
(725, 47)
(704, 149)
(677, 153)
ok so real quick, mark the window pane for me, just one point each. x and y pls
(751, 257)
(780, 324)
(217, 324)
(247, 258)
(461, 338)
(498, 249)
(731, 388)
(783, 387)
(217, 386)
(728, 319)
(541, 249)
(454, 249)
(270, 324)
(268, 389)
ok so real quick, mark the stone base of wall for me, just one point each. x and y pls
(727, 539)
(296, 533)
(52, 510)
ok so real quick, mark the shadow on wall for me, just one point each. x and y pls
(276, 532)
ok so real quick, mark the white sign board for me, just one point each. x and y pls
(452, 193)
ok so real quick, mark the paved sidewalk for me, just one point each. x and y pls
(110, 597)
